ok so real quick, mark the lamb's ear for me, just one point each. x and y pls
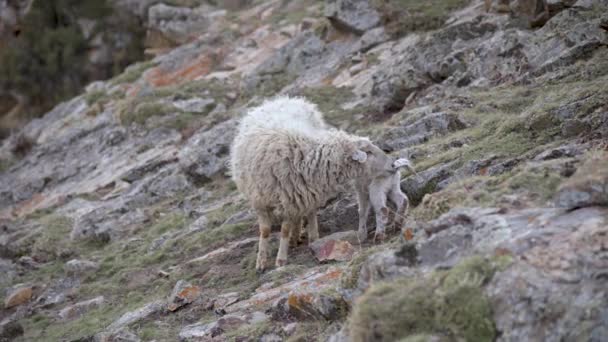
(359, 156)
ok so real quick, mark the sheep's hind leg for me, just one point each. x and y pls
(364, 207)
(295, 236)
(402, 203)
(286, 228)
(378, 200)
(265, 222)
(313, 227)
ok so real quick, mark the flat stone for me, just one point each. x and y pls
(183, 293)
(79, 309)
(335, 247)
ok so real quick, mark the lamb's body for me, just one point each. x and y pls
(373, 193)
(288, 165)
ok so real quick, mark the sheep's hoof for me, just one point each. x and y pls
(260, 266)
(362, 236)
(281, 262)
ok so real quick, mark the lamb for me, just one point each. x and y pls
(288, 164)
(373, 192)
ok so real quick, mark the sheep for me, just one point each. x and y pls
(288, 164)
(373, 192)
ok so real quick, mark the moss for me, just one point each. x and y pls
(449, 302)
(309, 331)
(403, 16)
(133, 73)
(349, 278)
(252, 332)
(6, 164)
(54, 239)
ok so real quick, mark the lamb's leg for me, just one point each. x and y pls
(401, 202)
(378, 199)
(286, 228)
(295, 235)
(313, 227)
(264, 222)
(364, 207)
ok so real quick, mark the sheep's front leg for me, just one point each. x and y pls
(378, 199)
(313, 227)
(364, 207)
(265, 223)
(286, 228)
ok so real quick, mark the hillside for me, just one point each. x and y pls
(119, 220)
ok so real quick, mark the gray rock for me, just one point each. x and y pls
(80, 267)
(79, 309)
(587, 187)
(206, 153)
(195, 105)
(387, 265)
(412, 132)
(135, 316)
(428, 181)
(354, 15)
(208, 331)
(180, 24)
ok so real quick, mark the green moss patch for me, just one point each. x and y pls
(403, 16)
(448, 303)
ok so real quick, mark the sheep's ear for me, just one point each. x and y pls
(359, 156)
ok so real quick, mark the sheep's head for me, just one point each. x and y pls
(374, 161)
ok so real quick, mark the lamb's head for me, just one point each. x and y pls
(372, 159)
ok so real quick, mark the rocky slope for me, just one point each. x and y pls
(120, 223)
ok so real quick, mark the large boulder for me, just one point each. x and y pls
(354, 15)
(177, 25)
(206, 153)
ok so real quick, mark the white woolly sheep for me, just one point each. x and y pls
(373, 193)
(287, 164)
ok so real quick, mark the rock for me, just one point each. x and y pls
(328, 306)
(208, 331)
(588, 186)
(568, 150)
(123, 335)
(271, 338)
(80, 267)
(196, 105)
(205, 154)
(427, 181)
(134, 316)
(183, 293)
(388, 265)
(335, 247)
(178, 25)
(564, 260)
(354, 15)
(225, 250)
(418, 131)
(79, 309)
(18, 297)
(313, 281)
